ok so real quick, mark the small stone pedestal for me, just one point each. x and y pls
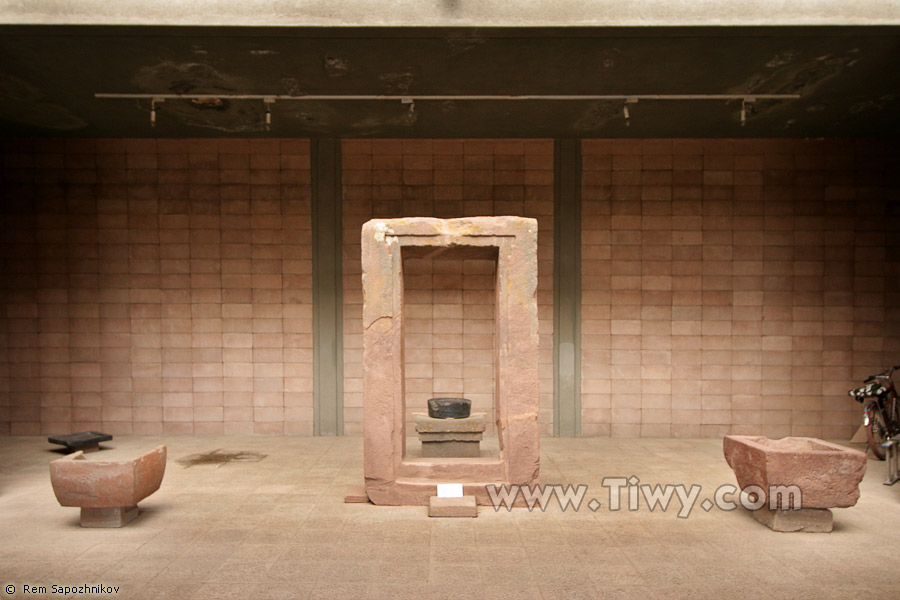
(463, 506)
(450, 438)
(356, 495)
(117, 516)
(810, 520)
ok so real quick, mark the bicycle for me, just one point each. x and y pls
(881, 415)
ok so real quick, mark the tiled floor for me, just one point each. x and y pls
(278, 528)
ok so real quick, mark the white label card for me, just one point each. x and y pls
(450, 490)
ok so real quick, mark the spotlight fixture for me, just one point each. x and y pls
(411, 102)
(269, 101)
(746, 108)
(626, 112)
(153, 103)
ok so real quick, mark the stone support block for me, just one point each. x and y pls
(810, 520)
(464, 506)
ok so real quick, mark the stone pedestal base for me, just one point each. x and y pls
(450, 438)
(117, 516)
(810, 520)
(452, 507)
(450, 449)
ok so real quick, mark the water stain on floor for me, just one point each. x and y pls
(220, 457)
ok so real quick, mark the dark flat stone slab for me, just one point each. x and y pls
(78, 441)
(449, 408)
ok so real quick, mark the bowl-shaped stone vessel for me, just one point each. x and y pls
(449, 408)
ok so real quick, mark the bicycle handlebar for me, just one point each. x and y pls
(885, 373)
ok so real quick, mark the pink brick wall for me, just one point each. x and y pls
(447, 179)
(156, 287)
(736, 286)
(163, 286)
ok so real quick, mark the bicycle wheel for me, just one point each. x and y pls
(876, 429)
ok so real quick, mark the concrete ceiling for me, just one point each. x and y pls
(847, 79)
(456, 13)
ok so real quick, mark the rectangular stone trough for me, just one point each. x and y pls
(826, 476)
(107, 491)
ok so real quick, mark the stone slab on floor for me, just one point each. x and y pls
(809, 520)
(86, 441)
(463, 506)
(356, 495)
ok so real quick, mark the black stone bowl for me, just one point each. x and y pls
(449, 408)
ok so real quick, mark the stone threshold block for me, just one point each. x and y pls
(464, 506)
(809, 520)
